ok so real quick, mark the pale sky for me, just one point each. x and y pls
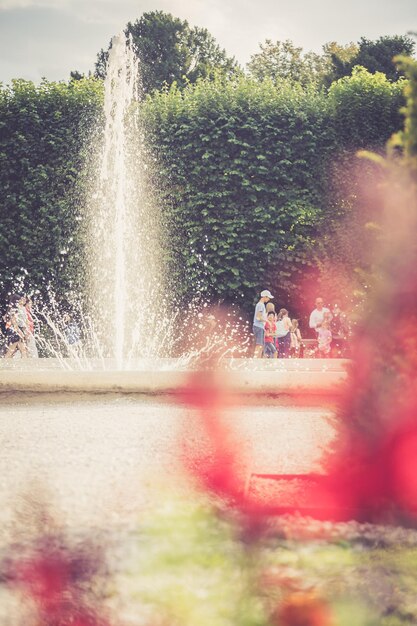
(49, 38)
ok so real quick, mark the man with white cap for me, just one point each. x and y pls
(259, 320)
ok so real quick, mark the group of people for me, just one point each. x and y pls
(278, 336)
(331, 328)
(18, 328)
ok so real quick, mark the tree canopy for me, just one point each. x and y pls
(170, 50)
(282, 60)
(376, 56)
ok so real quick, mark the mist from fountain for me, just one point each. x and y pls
(124, 267)
(130, 320)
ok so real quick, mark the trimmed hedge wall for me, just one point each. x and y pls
(248, 179)
(241, 170)
(43, 132)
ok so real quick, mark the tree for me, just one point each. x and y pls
(376, 56)
(283, 60)
(76, 75)
(171, 51)
(336, 56)
(366, 108)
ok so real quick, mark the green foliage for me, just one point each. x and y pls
(170, 50)
(76, 75)
(186, 565)
(337, 56)
(283, 60)
(255, 183)
(407, 138)
(377, 56)
(253, 178)
(241, 168)
(366, 108)
(42, 132)
(199, 558)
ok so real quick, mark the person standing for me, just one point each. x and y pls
(22, 318)
(340, 331)
(259, 320)
(270, 350)
(324, 338)
(317, 315)
(283, 334)
(296, 340)
(72, 334)
(15, 328)
(30, 337)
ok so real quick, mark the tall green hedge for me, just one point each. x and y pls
(43, 133)
(248, 179)
(244, 171)
(365, 109)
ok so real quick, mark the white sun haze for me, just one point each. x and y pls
(51, 37)
(243, 24)
(6, 5)
(240, 26)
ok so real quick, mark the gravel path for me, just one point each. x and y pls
(101, 456)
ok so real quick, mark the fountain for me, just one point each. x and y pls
(124, 269)
(99, 428)
(128, 345)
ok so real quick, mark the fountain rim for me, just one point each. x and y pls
(248, 377)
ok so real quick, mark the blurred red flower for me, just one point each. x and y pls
(217, 459)
(213, 453)
(57, 578)
(303, 609)
(374, 479)
(45, 579)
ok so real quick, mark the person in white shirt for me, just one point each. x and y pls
(259, 320)
(317, 315)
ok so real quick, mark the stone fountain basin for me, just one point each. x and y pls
(164, 376)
